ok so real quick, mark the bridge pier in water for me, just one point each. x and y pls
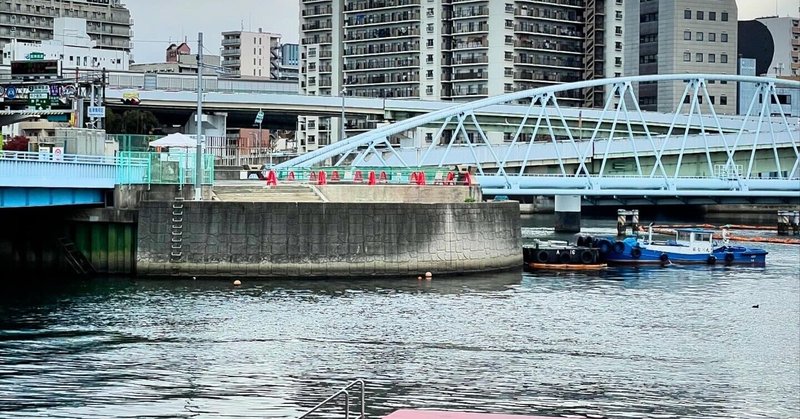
(568, 213)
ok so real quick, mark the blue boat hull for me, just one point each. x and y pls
(630, 252)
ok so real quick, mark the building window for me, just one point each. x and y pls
(699, 15)
(723, 58)
(618, 61)
(723, 100)
(429, 59)
(712, 58)
(430, 43)
(712, 37)
(429, 74)
(699, 36)
(724, 16)
(618, 46)
(711, 99)
(712, 15)
(723, 37)
(687, 56)
(429, 91)
(618, 15)
(687, 35)
(699, 57)
(687, 14)
(618, 30)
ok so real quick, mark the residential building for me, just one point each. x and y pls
(72, 46)
(603, 30)
(108, 22)
(774, 42)
(289, 68)
(436, 50)
(179, 59)
(251, 54)
(681, 36)
(786, 100)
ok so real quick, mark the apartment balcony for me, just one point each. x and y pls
(41, 24)
(362, 5)
(483, 59)
(465, 92)
(382, 49)
(575, 4)
(550, 62)
(377, 64)
(382, 19)
(385, 34)
(470, 12)
(311, 40)
(555, 31)
(547, 76)
(477, 75)
(551, 46)
(388, 78)
(231, 42)
(460, 46)
(316, 26)
(550, 15)
(317, 11)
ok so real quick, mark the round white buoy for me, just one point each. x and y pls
(419, 278)
(428, 276)
(194, 277)
(236, 283)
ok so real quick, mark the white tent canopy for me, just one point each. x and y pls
(175, 140)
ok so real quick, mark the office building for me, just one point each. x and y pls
(72, 46)
(108, 22)
(179, 59)
(786, 100)
(681, 36)
(289, 68)
(435, 50)
(774, 42)
(251, 55)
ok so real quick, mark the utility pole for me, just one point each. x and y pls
(342, 134)
(198, 168)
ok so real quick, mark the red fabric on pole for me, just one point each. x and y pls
(371, 178)
(335, 176)
(358, 177)
(322, 178)
(271, 179)
(291, 176)
(382, 178)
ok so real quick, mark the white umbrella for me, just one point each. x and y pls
(175, 140)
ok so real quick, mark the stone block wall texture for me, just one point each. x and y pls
(329, 239)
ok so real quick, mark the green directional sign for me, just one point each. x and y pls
(259, 117)
(35, 56)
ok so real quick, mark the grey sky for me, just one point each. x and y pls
(157, 22)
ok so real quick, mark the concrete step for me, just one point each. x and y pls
(261, 193)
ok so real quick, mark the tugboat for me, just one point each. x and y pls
(690, 246)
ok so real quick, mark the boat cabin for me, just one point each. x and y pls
(697, 240)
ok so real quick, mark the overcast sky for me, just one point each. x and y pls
(159, 22)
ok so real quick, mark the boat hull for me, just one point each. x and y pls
(633, 252)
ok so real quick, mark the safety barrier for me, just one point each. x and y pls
(370, 176)
(173, 168)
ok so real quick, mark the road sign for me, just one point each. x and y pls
(96, 112)
(259, 117)
(35, 56)
(58, 153)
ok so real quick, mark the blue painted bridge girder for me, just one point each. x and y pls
(27, 197)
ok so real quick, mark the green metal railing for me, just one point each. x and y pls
(173, 168)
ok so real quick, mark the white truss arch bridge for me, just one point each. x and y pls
(617, 154)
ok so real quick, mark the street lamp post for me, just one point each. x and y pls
(198, 168)
(344, 92)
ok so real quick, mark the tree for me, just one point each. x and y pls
(134, 121)
(17, 143)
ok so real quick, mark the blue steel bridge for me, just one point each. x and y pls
(522, 143)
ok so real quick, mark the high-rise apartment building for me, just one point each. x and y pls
(774, 42)
(251, 54)
(108, 22)
(604, 28)
(459, 50)
(681, 36)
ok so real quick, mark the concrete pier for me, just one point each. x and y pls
(279, 240)
(568, 213)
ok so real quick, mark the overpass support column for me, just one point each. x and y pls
(568, 213)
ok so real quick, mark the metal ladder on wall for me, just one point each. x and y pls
(346, 392)
(176, 233)
(75, 258)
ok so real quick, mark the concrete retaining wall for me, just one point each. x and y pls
(399, 193)
(329, 239)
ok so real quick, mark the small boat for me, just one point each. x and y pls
(689, 246)
(560, 255)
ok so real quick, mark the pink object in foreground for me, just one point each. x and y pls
(433, 414)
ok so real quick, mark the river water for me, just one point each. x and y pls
(627, 343)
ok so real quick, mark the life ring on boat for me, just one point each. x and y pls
(581, 241)
(587, 257)
(542, 256)
(711, 259)
(604, 246)
(664, 257)
(619, 247)
(636, 252)
(564, 257)
(729, 258)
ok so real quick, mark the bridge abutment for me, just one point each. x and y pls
(568, 213)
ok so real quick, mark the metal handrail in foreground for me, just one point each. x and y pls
(346, 393)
